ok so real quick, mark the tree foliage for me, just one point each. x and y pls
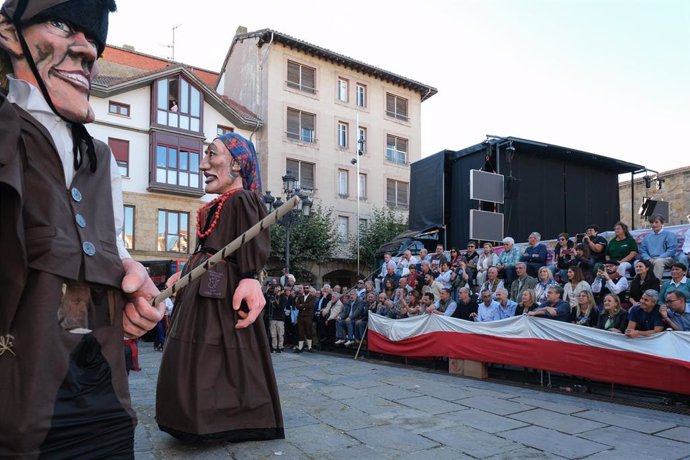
(383, 225)
(313, 238)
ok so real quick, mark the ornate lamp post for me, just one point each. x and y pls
(290, 218)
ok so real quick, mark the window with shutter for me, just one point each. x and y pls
(396, 149)
(396, 193)
(396, 107)
(120, 149)
(301, 77)
(293, 130)
(303, 172)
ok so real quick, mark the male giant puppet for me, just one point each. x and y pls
(69, 290)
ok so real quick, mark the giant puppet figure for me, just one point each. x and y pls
(69, 289)
(216, 379)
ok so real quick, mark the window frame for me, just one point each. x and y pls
(343, 92)
(119, 106)
(393, 155)
(300, 85)
(180, 144)
(112, 143)
(343, 135)
(123, 235)
(299, 173)
(299, 136)
(395, 112)
(362, 186)
(185, 109)
(396, 204)
(222, 130)
(362, 135)
(343, 237)
(166, 226)
(343, 183)
(363, 102)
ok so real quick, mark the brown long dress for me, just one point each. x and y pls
(217, 382)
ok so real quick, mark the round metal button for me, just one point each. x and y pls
(76, 194)
(80, 220)
(89, 248)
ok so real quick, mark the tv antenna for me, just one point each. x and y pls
(173, 41)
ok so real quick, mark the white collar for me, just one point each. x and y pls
(29, 98)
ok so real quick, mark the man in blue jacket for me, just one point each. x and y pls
(659, 247)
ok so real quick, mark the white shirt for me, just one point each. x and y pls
(29, 98)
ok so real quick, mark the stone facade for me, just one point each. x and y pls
(675, 190)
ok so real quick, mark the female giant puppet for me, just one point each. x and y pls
(216, 379)
(63, 384)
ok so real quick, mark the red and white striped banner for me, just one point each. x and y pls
(661, 362)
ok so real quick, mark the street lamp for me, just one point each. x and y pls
(304, 206)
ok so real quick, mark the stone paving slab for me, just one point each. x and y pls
(438, 453)
(494, 405)
(416, 421)
(341, 392)
(555, 406)
(318, 440)
(401, 440)
(555, 421)
(488, 423)
(525, 453)
(554, 442)
(642, 425)
(472, 442)
(392, 392)
(619, 453)
(643, 445)
(431, 405)
(372, 405)
(347, 418)
(679, 433)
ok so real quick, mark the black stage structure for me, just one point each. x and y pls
(548, 188)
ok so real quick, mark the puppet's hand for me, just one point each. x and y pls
(248, 290)
(139, 315)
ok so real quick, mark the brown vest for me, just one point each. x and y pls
(68, 232)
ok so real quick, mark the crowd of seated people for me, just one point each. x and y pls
(589, 283)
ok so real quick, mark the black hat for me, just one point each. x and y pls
(88, 16)
(612, 262)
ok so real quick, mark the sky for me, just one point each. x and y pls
(610, 77)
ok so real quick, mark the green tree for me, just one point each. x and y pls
(313, 238)
(383, 225)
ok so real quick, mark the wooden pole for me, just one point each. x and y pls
(233, 246)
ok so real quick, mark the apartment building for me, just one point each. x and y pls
(158, 116)
(319, 110)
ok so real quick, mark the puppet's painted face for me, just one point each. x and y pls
(220, 169)
(65, 60)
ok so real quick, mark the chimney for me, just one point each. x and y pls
(241, 30)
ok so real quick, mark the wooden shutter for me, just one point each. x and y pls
(293, 72)
(120, 149)
(390, 103)
(308, 78)
(307, 175)
(293, 117)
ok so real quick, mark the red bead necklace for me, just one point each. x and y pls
(220, 200)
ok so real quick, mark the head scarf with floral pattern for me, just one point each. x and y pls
(242, 150)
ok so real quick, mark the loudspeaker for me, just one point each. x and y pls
(650, 207)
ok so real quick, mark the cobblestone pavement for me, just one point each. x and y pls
(337, 408)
